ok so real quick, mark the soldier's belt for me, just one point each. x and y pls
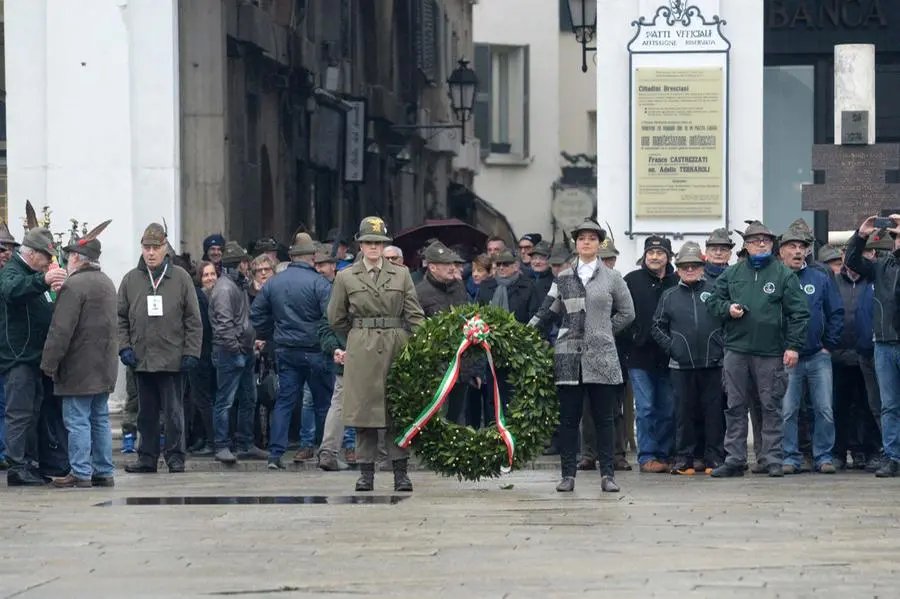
(378, 323)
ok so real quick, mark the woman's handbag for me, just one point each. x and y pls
(266, 382)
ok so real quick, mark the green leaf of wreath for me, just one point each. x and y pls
(532, 413)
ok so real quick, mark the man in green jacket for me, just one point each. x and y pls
(765, 315)
(26, 283)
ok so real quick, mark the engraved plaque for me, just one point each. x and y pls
(855, 127)
(855, 185)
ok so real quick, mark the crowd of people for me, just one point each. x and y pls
(245, 355)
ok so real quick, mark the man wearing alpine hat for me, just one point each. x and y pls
(26, 283)
(160, 334)
(718, 253)
(8, 245)
(813, 370)
(766, 317)
(80, 356)
(692, 339)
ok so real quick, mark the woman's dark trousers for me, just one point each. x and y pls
(603, 401)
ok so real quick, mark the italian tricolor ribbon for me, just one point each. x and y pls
(475, 333)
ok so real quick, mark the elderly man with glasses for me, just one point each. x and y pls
(394, 255)
(766, 317)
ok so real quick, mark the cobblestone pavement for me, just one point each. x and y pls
(664, 536)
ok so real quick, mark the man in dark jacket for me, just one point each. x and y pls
(856, 427)
(806, 416)
(340, 248)
(213, 248)
(648, 370)
(813, 369)
(8, 245)
(877, 246)
(80, 357)
(440, 291)
(541, 275)
(692, 338)
(560, 259)
(25, 286)
(719, 248)
(232, 357)
(884, 274)
(288, 312)
(832, 258)
(326, 262)
(766, 318)
(526, 245)
(718, 253)
(509, 289)
(160, 335)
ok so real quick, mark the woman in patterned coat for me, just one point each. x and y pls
(594, 304)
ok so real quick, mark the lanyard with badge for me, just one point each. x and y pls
(154, 301)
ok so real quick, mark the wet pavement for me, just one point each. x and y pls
(304, 534)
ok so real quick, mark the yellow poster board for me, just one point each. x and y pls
(679, 142)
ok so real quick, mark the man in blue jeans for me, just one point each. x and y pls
(288, 311)
(232, 357)
(648, 365)
(80, 355)
(826, 323)
(883, 272)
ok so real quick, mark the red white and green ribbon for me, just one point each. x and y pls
(475, 332)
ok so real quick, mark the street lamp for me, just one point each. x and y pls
(463, 85)
(583, 14)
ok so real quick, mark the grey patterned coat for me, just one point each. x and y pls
(592, 315)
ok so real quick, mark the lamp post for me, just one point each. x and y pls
(583, 15)
(463, 85)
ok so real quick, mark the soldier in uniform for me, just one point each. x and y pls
(374, 304)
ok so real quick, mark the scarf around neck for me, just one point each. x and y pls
(760, 260)
(715, 269)
(501, 296)
(158, 271)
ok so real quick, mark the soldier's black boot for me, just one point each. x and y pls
(401, 479)
(366, 480)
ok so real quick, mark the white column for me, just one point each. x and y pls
(854, 84)
(155, 114)
(92, 117)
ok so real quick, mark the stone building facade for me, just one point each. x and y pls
(271, 92)
(235, 116)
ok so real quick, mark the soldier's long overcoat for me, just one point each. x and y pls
(370, 351)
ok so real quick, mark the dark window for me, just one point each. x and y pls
(565, 19)
(427, 55)
(483, 70)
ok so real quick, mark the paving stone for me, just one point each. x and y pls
(663, 536)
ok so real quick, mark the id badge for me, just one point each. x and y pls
(154, 305)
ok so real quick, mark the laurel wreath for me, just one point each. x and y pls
(532, 414)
